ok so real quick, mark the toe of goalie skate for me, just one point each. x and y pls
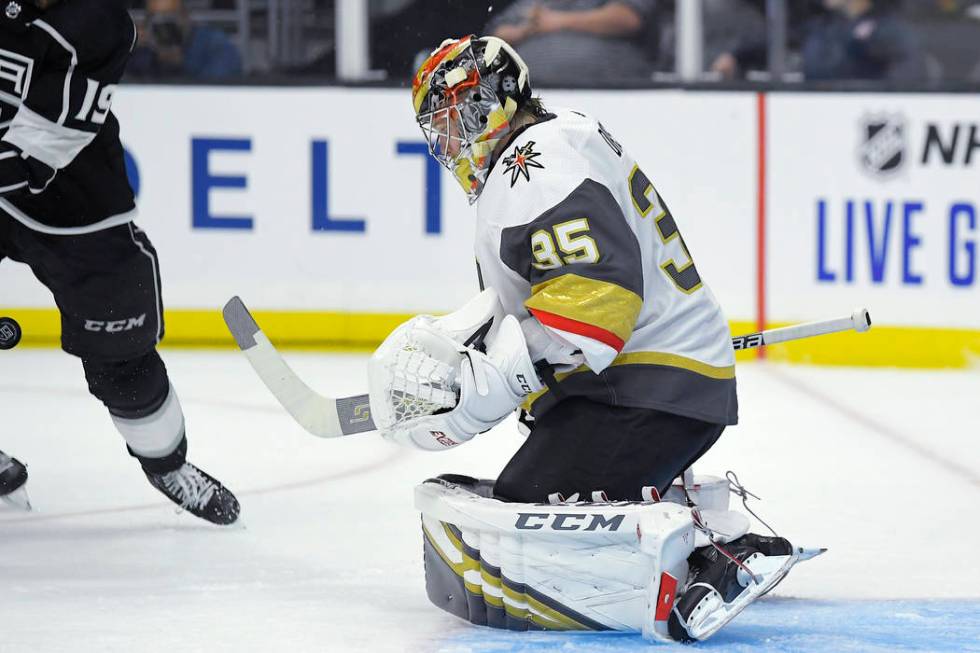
(18, 499)
(803, 553)
(710, 612)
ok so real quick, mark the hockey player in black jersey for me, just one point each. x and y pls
(67, 210)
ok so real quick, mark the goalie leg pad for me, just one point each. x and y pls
(588, 566)
(705, 491)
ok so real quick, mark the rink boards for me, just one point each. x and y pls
(321, 208)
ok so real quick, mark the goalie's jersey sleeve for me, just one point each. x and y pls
(61, 162)
(571, 231)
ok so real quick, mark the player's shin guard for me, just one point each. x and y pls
(155, 438)
(147, 413)
(142, 403)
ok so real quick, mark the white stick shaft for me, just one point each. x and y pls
(809, 329)
(314, 413)
(860, 321)
(325, 417)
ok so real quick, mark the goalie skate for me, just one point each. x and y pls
(719, 592)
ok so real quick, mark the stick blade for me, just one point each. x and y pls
(324, 417)
(240, 322)
(354, 414)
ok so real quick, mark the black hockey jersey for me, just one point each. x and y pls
(61, 162)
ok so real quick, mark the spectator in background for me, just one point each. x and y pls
(730, 22)
(841, 39)
(750, 52)
(579, 42)
(401, 30)
(171, 45)
(864, 39)
(726, 24)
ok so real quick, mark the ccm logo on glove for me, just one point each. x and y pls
(525, 386)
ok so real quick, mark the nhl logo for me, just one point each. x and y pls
(882, 150)
(13, 10)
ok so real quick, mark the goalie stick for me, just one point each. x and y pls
(860, 321)
(327, 417)
(324, 417)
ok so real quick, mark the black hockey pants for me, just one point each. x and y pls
(581, 446)
(107, 288)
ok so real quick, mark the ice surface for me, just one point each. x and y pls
(879, 465)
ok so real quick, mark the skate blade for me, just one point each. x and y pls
(18, 499)
(771, 569)
(809, 554)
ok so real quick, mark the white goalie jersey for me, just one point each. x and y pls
(571, 231)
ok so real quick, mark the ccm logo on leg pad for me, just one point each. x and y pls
(533, 521)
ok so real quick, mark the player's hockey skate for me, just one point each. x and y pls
(719, 588)
(13, 482)
(198, 493)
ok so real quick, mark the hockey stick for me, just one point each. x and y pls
(327, 417)
(860, 321)
(324, 417)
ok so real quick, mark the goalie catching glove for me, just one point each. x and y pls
(432, 386)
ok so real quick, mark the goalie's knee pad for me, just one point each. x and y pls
(584, 566)
(705, 491)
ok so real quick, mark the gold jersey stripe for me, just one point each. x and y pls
(599, 303)
(646, 358)
(674, 360)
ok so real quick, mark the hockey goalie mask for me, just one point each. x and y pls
(465, 95)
